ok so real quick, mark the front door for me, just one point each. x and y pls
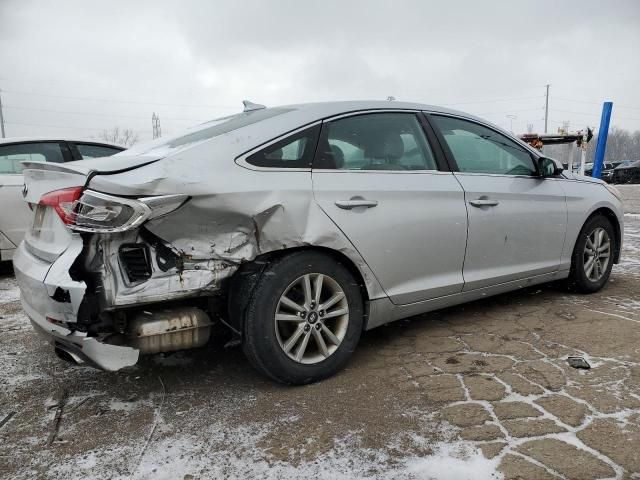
(517, 219)
(375, 175)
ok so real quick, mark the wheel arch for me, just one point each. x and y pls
(617, 230)
(246, 278)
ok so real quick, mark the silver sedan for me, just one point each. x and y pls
(297, 228)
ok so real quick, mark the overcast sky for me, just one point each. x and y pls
(75, 68)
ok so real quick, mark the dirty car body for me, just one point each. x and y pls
(127, 256)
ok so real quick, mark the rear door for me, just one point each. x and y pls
(379, 178)
(15, 215)
(517, 219)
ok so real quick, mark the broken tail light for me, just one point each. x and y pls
(89, 211)
(62, 202)
(99, 212)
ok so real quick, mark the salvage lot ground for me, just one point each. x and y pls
(476, 391)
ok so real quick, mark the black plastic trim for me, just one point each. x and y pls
(436, 147)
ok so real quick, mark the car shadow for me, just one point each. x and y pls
(6, 269)
(219, 363)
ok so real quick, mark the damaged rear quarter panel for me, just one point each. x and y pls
(234, 214)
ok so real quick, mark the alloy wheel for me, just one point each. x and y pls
(597, 253)
(311, 318)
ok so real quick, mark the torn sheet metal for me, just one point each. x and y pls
(186, 279)
(243, 219)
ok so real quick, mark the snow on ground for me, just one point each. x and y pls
(9, 289)
(179, 456)
(213, 418)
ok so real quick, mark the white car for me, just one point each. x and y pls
(15, 216)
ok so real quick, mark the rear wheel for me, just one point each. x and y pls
(592, 258)
(303, 319)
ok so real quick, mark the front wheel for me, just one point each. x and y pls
(303, 318)
(592, 258)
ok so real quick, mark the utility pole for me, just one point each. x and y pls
(1, 116)
(155, 124)
(546, 109)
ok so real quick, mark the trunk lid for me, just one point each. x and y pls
(42, 177)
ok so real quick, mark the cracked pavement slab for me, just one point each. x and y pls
(482, 390)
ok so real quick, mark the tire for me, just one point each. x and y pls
(579, 280)
(265, 338)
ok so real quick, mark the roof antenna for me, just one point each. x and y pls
(391, 98)
(249, 106)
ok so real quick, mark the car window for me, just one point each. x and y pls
(295, 151)
(87, 150)
(376, 141)
(12, 155)
(479, 149)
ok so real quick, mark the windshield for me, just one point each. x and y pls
(206, 131)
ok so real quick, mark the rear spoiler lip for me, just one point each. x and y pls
(52, 167)
(61, 167)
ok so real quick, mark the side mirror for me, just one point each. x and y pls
(549, 167)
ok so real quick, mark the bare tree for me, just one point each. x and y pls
(125, 137)
(621, 145)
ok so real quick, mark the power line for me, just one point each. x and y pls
(594, 103)
(512, 110)
(586, 114)
(136, 102)
(98, 114)
(55, 126)
(624, 106)
(493, 101)
(577, 101)
(110, 100)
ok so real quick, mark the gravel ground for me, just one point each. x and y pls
(476, 391)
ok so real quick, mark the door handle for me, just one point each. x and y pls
(349, 204)
(483, 202)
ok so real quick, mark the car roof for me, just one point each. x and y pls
(311, 112)
(325, 109)
(50, 138)
(282, 120)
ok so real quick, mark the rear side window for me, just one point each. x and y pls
(376, 141)
(478, 149)
(87, 150)
(12, 155)
(295, 151)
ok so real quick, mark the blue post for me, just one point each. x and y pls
(602, 139)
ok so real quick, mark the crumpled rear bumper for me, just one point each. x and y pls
(38, 281)
(89, 350)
